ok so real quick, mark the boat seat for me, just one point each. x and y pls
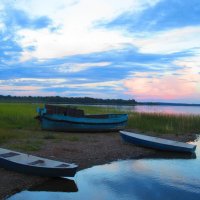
(63, 165)
(36, 162)
(9, 154)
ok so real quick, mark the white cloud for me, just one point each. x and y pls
(70, 42)
(19, 88)
(76, 33)
(116, 85)
(2, 27)
(94, 94)
(33, 81)
(170, 41)
(77, 67)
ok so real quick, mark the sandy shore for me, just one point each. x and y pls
(91, 149)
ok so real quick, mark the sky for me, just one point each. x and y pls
(147, 50)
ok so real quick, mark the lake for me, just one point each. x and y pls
(186, 110)
(139, 179)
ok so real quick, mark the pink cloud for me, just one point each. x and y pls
(168, 87)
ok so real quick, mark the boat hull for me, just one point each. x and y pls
(65, 123)
(157, 143)
(37, 171)
(33, 165)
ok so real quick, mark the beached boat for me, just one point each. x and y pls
(25, 163)
(75, 120)
(157, 143)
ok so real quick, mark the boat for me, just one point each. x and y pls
(157, 143)
(29, 164)
(57, 118)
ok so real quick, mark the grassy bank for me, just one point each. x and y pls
(19, 129)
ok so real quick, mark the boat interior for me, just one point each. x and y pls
(71, 111)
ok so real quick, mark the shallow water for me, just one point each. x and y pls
(138, 179)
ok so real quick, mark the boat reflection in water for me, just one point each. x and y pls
(56, 185)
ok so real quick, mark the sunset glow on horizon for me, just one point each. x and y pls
(147, 50)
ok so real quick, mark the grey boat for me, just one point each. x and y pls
(29, 164)
(157, 143)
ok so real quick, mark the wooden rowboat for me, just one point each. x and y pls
(157, 143)
(25, 163)
(74, 120)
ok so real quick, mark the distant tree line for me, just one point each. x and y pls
(65, 100)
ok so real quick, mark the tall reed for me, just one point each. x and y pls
(164, 123)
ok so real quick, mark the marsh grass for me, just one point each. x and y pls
(99, 110)
(160, 123)
(19, 129)
(18, 116)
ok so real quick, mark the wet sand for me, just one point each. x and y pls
(89, 150)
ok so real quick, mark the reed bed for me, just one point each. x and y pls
(161, 123)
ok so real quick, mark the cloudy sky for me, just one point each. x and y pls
(147, 50)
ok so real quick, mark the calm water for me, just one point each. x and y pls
(195, 110)
(186, 110)
(141, 179)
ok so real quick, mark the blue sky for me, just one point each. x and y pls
(147, 50)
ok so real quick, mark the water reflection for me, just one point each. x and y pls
(140, 179)
(56, 185)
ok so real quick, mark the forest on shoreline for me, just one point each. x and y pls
(81, 100)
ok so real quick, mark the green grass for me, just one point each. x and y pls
(99, 110)
(18, 116)
(164, 123)
(19, 129)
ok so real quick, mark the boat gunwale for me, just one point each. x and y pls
(91, 120)
(70, 165)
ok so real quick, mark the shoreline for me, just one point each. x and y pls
(89, 150)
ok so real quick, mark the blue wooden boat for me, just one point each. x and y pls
(56, 120)
(157, 143)
(28, 164)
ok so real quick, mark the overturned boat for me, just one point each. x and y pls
(57, 118)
